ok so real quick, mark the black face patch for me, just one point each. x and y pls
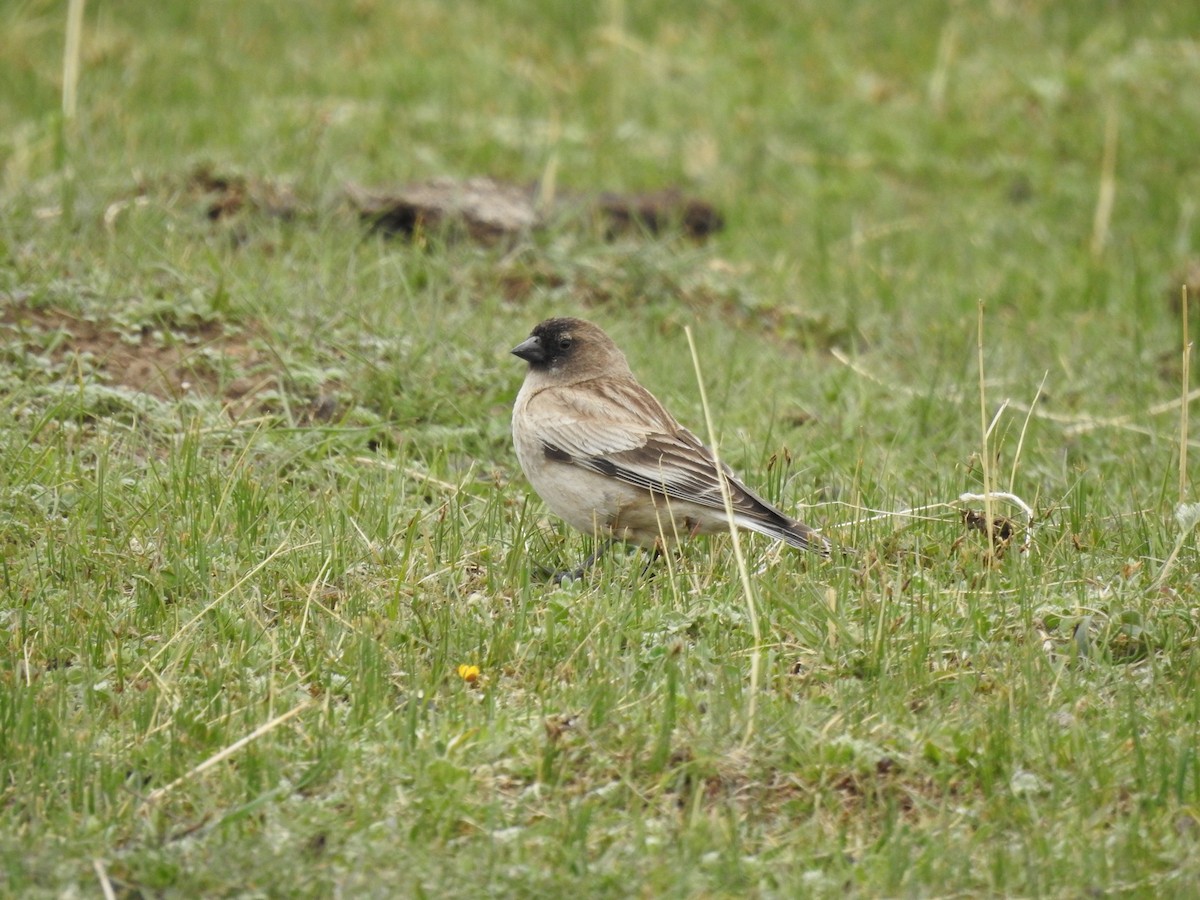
(552, 342)
(555, 340)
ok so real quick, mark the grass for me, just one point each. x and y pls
(239, 579)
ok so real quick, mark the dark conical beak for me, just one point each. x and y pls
(530, 350)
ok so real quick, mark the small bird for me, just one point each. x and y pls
(609, 459)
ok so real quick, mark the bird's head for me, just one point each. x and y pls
(572, 349)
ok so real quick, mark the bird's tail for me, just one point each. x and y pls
(792, 532)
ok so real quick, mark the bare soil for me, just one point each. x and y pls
(167, 362)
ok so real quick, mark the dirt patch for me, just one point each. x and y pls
(166, 360)
(487, 210)
(1002, 530)
(483, 209)
(226, 195)
(659, 212)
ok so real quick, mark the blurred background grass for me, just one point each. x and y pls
(179, 570)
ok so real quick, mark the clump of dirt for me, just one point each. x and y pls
(659, 212)
(167, 361)
(484, 209)
(481, 209)
(225, 195)
(487, 210)
(1002, 530)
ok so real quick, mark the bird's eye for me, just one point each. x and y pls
(564, 344)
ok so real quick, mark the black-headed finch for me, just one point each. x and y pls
(608, 458)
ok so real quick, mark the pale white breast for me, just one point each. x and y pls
(585, 500)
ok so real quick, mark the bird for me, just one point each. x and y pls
(609, 459)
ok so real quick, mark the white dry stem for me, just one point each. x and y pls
(938, 82)
(1072, 424)
(951, 396)
(1012, 479)
(318, 583)
(1187, 515)
(917, 512)
(1183, 393)
(71, 53)
(106, 885)
(1108, 186)
(229, 751)
(743, 571)
(415, 474)
(910, 512)
(985, 431)
(1081, 424)
(187, 626)
(548, 184)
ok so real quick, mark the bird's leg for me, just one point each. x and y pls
(654, 557)
(652, 561)
(576, 574)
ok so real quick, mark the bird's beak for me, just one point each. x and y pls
(530, 350)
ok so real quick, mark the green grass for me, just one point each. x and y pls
(305, 542)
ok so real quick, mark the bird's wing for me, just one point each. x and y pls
(598, 417)
(617, 428)
(680, 467)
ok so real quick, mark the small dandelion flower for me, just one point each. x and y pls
(469, 674)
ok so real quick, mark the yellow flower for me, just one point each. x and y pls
(469, 674)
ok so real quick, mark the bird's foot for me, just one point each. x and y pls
(557, 578)
(568, 576)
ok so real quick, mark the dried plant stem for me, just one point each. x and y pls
(743, 570)
(1183, 404)
(106, 885)
(416, 474)
(1012, 478)
(1187, 516)
(985, 459)
(284, 547)
(946, 49)
(1108, 186)
(71, 54)
(1072, 425)
(230, 750)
